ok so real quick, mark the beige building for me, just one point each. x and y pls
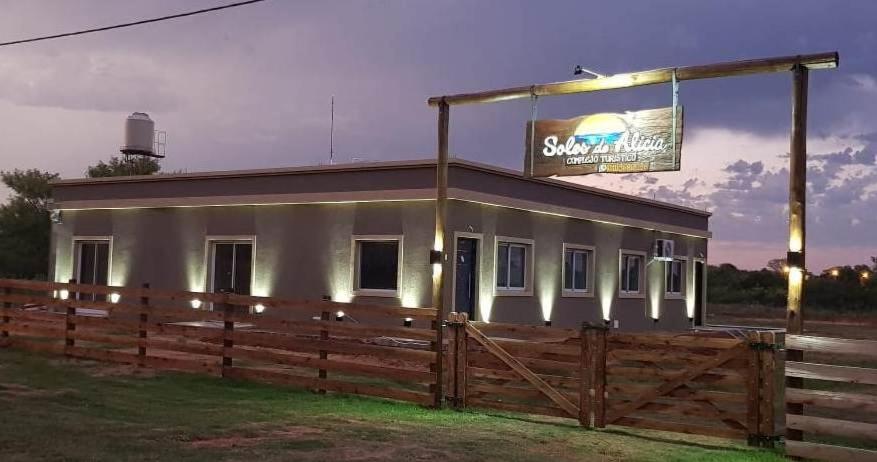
(523, 250)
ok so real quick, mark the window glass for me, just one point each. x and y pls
(576, 269)
(631, 267)
(502, 265)
(378, 265)
(674, 272)
(517, 266)
(511, 266)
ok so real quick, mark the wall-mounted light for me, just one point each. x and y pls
(835, 272)
(63, 294)
(339, 316)
(407, 322)
(196, 304)
(547, 323)
(794, 260)
(114, 297)
(259, 308)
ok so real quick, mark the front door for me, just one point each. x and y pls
(232, 267)
(698, 293)
(466, 282)
(92, 266)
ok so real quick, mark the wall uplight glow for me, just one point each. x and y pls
(547, 302)
(485, 305)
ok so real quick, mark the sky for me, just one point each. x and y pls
(250, 88)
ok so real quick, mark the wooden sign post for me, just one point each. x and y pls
(799, 65)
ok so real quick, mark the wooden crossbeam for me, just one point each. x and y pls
(522, 370)
(674, 382)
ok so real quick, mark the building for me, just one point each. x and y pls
(526, 250)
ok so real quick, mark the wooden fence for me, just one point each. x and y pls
(391, 353)
(694, 382)
(832, 410)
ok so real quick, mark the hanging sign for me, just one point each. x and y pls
(638, 141)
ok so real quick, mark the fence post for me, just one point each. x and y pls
(227, 336)
(463, 359)
(753, 389)
(767, 393)
(453, 375)
(69, 342)
(324, 337)
(587, 371)
(4, 334)
(599, 377)
(141, 344)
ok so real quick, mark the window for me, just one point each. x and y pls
(377, 266)
(232, 266)
(92, 257)
(513, 266)
(577, 269)
(674, 275)
(632, 269)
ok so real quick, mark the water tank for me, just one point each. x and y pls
(139, 135)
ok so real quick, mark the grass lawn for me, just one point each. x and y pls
(58, 409)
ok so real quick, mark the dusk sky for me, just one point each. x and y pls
(250, 88)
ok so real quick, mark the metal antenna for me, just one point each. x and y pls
(332, 132)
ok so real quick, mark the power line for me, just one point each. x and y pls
(130, 24)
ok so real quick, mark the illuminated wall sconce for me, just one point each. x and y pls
(407, 322)
(63, 294)
(114, 297)
(547, 323)
(196, 304)
(794, 260)
(259, 308)
(339, 316)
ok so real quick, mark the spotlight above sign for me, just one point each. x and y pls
(632, 142)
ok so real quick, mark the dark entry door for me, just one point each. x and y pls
(467, 276)
(94, 265)
(232, 267)
(698, 293)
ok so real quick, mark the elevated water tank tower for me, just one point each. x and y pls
(140, 136)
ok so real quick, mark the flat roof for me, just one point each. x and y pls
(376, 181)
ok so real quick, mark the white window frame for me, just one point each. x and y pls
(683, 282)
(210, 256)
(589, 277)
(354, 264)
(77, 255)
(529, 246)
(642, 276)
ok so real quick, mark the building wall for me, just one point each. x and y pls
(305, 252)
(549, 233)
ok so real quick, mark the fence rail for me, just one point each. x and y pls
(293, 342)
(835, 404)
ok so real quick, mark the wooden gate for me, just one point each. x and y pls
(695, 382)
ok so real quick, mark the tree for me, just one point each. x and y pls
(24, 224)
(777, 265)
(133, 165)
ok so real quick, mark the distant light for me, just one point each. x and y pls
(114, 297)
(63, 294)
(196, 304)
(865, 275)
(259, 308)
(835, 272)
(786, 269)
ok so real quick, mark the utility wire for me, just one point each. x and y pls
(130, 24)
